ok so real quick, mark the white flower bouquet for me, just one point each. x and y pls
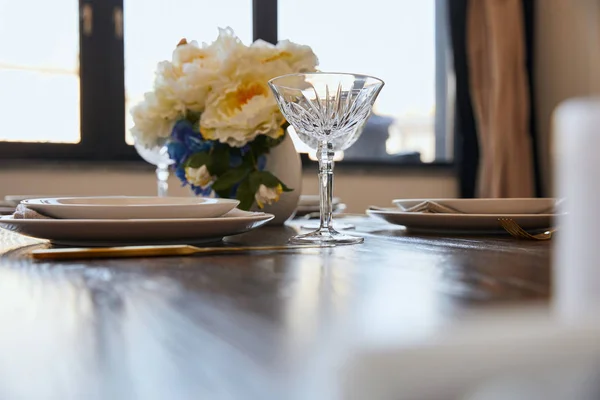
(213, 107)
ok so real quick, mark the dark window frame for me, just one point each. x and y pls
(102, 92)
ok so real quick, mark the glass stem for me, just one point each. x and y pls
(325, 156)
(162, 176)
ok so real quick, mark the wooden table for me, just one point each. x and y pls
(259, 326)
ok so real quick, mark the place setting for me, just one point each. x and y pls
(528, 218)
(131, 220)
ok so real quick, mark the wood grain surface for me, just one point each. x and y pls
(259, 326)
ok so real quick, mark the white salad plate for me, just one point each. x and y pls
(130, 207)
(109, 232)
(487, 206)
(15, 199)
(459, 223)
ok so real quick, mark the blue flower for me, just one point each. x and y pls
(261, 162)
(178, 152)
(195, 143)
(180, 173)
(245, 149)
(182, 129)
(199, 191)
(235, 160)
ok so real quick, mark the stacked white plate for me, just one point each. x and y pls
(101, 221)
(471, 216)
(310, 204)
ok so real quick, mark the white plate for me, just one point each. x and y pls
(131, 207)
(94, 232)
(312, 200)
(303, 210)
(488, 206)
(459, 223)
(15, 199)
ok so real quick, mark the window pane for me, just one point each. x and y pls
(154, 27)
(392, 40)
(39, 71)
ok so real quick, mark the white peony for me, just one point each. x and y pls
(154, 118)
(226, 82)
(226, 45)
(265, 195)
(241, 112)
(241, 105)
(300, 58)
(187, 80)
(199, 176)
(188, 52)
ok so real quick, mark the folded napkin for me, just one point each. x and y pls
(431, 207)
(22, 212)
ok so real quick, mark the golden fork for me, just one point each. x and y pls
(515, 230)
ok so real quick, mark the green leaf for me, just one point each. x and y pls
(285, 188)
(245, 195)
(268, 179)
(224, 194)
(248, 160)
(219, 161)
(258, 146)
(255, 181)
(197, 160)
(193, 117)
(196, 126)
(271, 181)
(230, 178)
(270, 142)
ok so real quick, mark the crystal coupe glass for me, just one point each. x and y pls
(328, 112)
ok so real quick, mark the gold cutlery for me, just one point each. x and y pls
(516, 231)
(152, 251)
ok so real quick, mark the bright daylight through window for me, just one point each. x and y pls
(392, 40)
(39, 71)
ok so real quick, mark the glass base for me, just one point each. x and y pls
(326, 236)
(340, 226)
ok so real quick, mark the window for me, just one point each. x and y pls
(41, 72)
(145, 45)
(401, 42)
(61, 68)
(74, 69)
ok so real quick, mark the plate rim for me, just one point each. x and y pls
(544, 204)
(486, 199)
(430, 215)
(36, 202)
(259, 216)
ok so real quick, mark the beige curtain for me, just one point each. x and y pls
(500, 96)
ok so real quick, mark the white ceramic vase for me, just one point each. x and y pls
(284, 162)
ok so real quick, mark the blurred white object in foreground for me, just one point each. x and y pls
(577, 259)
(514, 355)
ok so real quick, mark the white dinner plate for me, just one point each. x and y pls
(488, 206)
(313, 200)
(130, 207)
(459, 223)
(107, 232)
